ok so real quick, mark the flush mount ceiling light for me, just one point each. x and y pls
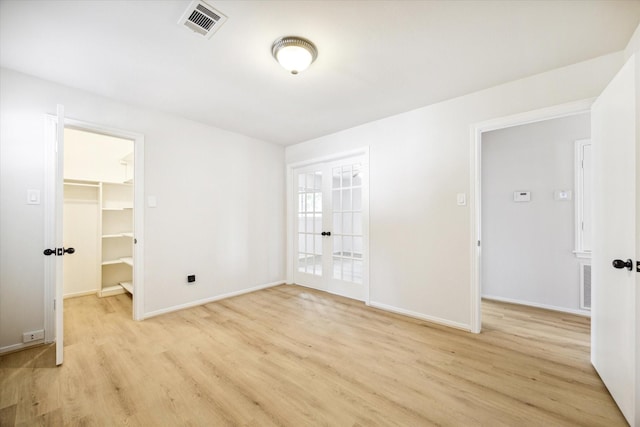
(294, 53)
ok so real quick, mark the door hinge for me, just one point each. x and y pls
(478, 243)
(54, 304)
(582, 225)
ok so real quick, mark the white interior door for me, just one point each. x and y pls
(614, 303)
(59, 212)
(330, 227)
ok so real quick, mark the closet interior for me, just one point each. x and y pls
(98, 214)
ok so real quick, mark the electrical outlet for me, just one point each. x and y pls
(33, 336)
(191, 278)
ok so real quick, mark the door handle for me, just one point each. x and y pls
(326, 233)
(618, 263)
(58, 251)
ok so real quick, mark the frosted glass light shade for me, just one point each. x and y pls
(294, 58)
(295, 54)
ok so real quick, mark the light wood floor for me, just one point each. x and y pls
(296, 357)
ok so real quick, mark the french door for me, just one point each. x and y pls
(330, 227)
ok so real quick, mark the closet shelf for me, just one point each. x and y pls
(81, 184)
(128, 286)
(117, 183)
(123, 208)
(112, 236)
(124, 260)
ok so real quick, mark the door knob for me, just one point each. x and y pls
(618, 263)
(58, 251)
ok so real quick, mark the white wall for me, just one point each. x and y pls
(81, 228)
(420, 240)
(220, 195)
(93, 157)
(527, 247)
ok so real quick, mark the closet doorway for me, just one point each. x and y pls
(99, 214)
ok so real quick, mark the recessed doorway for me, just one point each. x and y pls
(98, 214)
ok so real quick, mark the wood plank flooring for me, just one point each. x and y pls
(292, 356)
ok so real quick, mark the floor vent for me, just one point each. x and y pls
(202, 19)
(585, 286)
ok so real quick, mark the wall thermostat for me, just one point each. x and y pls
(522, 196)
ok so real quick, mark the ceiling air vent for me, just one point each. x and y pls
(202, 18)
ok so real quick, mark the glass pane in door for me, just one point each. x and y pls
(310, 223)
(347, 223)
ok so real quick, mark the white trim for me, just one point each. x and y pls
(365, 226)
(80, 294)
(20, 346)
(584, 313)
(579, 197)
(290, 213)
(49, 227)
(211, 299)
(475, 198)
(138, 227)
(475, 209)
(582, 254)
(59, 238)
(420, 316)
(290, 245)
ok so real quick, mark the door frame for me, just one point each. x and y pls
(291, 203)
(475, 200)
(138, 215)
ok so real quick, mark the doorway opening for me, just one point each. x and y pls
(98, 214)
(518, 205)
(106, 207)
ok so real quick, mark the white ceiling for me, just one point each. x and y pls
(376, 58)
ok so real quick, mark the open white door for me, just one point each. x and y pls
(57, 259)
(615, 311)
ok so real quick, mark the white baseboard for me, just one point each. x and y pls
(420, 316)
(584, 313)
(212, 299)
(80, 294)
(20, 346)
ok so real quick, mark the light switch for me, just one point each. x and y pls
(152, 202)
(562, 195)
(522, 196)
(33, 197)
(461, 199)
